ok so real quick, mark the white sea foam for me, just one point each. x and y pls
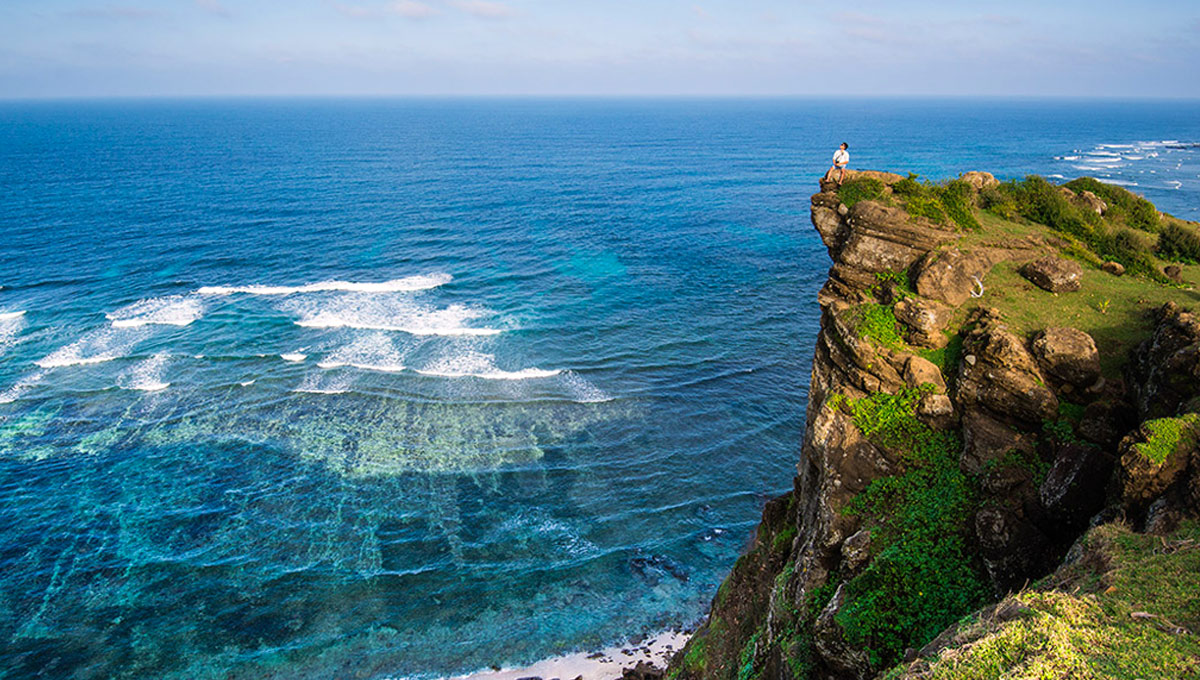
(95, 347)
(175, 310)
(294, 357)
(21, 387)
(374, 352)
(11, 324)
(584, 391)
(1118, 182)
(321, 390)
(146, 376)
(247, 383)
(389, 314)
(472, 364)
(407, 284)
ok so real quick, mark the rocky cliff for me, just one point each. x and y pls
(988, 382)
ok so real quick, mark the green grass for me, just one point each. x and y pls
(860, 189)
(922, 577)
(1166, 434)
(878, 323)
(1121, 617)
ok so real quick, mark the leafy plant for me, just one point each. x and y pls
(860, 189)
(1179, 243)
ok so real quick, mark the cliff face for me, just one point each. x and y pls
(961, 433)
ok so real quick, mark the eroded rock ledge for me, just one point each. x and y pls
(930, 414)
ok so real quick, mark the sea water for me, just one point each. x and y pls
(383, 388)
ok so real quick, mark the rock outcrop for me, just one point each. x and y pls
(1009, 441)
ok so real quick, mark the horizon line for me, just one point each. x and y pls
(581, 97)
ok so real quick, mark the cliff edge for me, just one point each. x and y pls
(1000, 367)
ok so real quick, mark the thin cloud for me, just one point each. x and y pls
(700, 12)
(214, 7)
(411, 9)
(116, 12)
(485, 9)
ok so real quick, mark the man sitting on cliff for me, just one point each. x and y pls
(841, 158)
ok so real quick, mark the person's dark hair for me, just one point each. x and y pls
(845, 145)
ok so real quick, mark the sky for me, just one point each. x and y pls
(171, 48)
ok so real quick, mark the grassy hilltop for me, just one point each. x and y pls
(1000, 365)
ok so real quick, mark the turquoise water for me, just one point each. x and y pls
(409, 388)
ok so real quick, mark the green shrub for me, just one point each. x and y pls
(878, 324)
(922, 578)
(951, 203)
(1179, 243)
(860, 189)
(1123, 205)
(1037, 200)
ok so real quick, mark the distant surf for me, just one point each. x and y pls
(404, 285)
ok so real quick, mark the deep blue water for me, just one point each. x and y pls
(408, 388)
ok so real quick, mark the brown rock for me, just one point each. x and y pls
(1054, 274)
(986, 439)
(1173, 272)
(919, 372)
(1093, 202)
(1068, 355)
(856, 550)
(1114, 268)
(950, 275)
(924, 320)
(1141, 480)
(936, 411)
(846, 660)
(979, 180)
(1004, 379)
(1104, 423)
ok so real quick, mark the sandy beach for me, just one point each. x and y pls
(605, 664)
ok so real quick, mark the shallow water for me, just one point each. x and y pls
(416, 387)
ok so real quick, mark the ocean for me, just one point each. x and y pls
(409, 388)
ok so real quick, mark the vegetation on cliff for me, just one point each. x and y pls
(988, 354)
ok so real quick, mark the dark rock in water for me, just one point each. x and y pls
(1068, 355)
(1070, 491)
(1173, 272)
(642, 671)
(1054, 274)
(649, 567)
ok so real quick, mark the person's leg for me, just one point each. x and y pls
(841, 174)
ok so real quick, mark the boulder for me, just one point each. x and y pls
(1069, 356)
(877, 238)
(1003, 378)
(1142, 479)
(1074, 487)
(979, 180)
(1054, 274)
(924, 321)
(644, 670)
(986, 440)
(919, 371)
(1093, 202)
(950, 275)
(1114, 268)
(936, 411)
(1174, 273)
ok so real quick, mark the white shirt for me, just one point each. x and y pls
(841, 156)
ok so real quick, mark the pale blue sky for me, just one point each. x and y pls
(51, 48)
